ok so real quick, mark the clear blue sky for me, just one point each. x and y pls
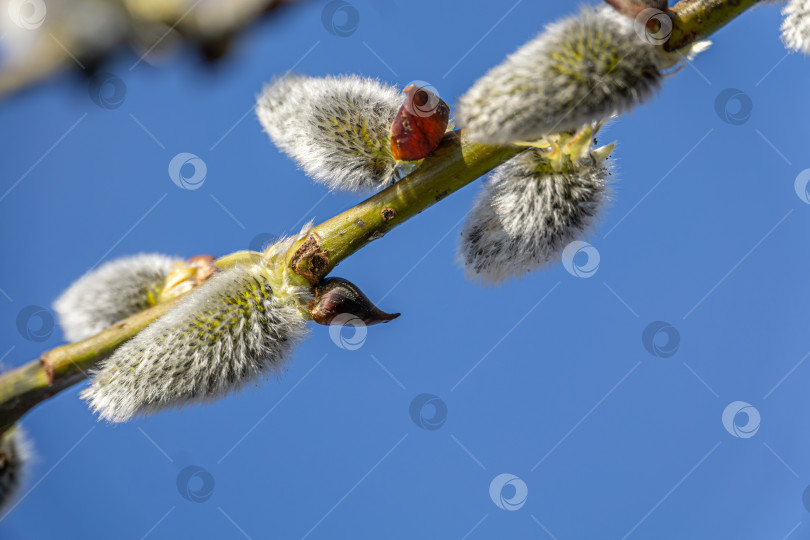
(546, 379)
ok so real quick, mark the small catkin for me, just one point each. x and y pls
(232, 330)
(526, 215)
(110, 293)
(335, 128)
(796, 26)
(15, 455)
(583, 68)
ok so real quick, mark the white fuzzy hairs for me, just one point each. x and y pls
(230, 331)
(335, 128)
(581, 69)
(110, 293)
(523, 218)
(796, 26)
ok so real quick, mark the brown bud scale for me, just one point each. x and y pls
(338, 296)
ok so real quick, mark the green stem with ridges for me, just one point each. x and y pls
(456, 163)
(698, 19)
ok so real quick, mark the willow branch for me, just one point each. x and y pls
(698, 19)
(455, 163)
(23, 388)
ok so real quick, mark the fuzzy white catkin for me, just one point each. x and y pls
(523, 219)
(110, 293)
(583, 68)
(335, 128)
(15, 455)
(229, 332)
(796, 26)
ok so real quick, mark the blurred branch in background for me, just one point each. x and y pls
(39, 38)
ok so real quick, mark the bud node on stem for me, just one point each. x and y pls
(309, 261)
(47, 365)
(388, 214)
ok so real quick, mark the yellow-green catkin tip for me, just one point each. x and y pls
(532, 206)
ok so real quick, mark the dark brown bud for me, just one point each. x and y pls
(420, 124)
(336, 296)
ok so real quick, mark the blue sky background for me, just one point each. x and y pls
(546, 379)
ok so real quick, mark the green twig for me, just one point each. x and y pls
(698, 19)
(59, 368)
(456, 163)
(453, 165)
